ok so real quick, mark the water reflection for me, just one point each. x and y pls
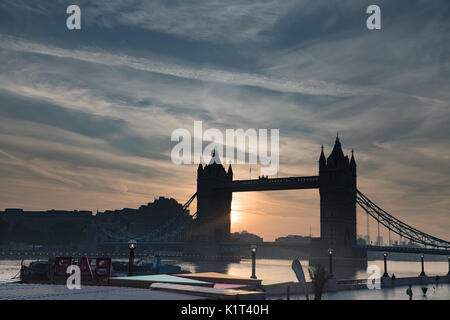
(346, 273)
(206, 266)
(267, 269)
(278, 269)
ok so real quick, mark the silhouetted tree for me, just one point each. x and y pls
(62, 233)
(319, 277)
(21, 233)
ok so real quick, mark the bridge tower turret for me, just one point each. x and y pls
(213, 206)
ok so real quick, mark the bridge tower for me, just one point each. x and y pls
(213, 206)
(337, 189)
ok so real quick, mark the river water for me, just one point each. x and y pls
(272, 269)
(278, 269)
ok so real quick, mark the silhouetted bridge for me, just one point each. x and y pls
(337, 181)
(431, 245)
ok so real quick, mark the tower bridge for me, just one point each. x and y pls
(337, 184)
(337, 188)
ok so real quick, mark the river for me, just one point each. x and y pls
(272, 269)
(278, 269)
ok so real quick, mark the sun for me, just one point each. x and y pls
(236, 213)
(234, 216)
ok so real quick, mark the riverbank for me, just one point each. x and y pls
(272, 269)
(278, 282)
(336, 285)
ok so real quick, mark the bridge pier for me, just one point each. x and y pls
(346, 261)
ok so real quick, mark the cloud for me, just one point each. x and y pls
(235, 21)
(86, 117)
(207, 75)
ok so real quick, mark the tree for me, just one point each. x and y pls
(63, 233)
(319, 277)
(22, 233)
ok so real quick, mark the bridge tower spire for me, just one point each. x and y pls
(322, 160)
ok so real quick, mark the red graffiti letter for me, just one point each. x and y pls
(61, 264)
(85, 267)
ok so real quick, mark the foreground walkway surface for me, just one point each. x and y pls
(441, 292)
(16, 291)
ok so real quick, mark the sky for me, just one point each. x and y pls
(86, 115)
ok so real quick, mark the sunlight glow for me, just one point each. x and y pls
(234, 216)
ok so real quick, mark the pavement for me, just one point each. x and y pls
(19, 291)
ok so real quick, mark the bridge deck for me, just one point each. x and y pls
(266, 184)
(406, 250)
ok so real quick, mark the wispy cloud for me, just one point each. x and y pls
(207, 75)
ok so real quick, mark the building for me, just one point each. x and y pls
(379, 241)
(361, 240)
(83, 228)
(245, 237)
(294, 240)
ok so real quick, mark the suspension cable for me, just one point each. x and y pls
(398, 226)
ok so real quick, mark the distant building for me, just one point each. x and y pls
(294, 240)
(413, 245)
(361, 240)
(245, 237)
(379, 241)
(72, 228)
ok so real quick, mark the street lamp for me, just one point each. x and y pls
(330, 255)
(131, 245)
(385, 265)
(422, 274)
(253, 248)
(448, 258)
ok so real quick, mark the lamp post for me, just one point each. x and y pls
(131, 245)
(330, 255)
(385, 274)
(448, 266)
(422, 274)
(253, 248)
